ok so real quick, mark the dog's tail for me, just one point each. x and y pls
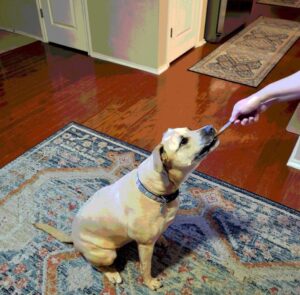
(57, 234)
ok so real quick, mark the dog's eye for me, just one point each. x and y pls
(184, 140)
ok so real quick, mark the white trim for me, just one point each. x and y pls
(7, 29)
(198, 21)
(12, 30)
(169, 26)
(293, 162)
(42, 21)
(29, 35)
(200, 43)
(130, 64)
(87, 26)
(201, 26)
(162, 69)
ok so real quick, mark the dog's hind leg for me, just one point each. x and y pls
(102, 260)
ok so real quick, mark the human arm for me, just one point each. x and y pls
(248, 109)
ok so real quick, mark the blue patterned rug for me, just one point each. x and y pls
(224, 240)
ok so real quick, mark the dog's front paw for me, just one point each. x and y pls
(153, 283)
(113, 276)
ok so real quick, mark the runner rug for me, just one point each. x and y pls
(224, 241)
(288, 3)
(250, 55)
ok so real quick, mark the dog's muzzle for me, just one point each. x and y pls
(209, 134)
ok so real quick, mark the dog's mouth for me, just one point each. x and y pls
(207, 148)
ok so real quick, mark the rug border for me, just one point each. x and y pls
(132, 146)
(265, 72)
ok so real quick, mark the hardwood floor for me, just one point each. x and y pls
(44, 87)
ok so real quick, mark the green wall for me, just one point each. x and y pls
(125, 29)
(21, 15)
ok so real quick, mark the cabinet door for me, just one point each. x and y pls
(64, 21)
(184, 22)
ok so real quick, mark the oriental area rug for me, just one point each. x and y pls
(250, 55)
(224, 240)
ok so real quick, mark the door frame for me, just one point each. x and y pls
(86, 24)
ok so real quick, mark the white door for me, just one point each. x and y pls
(65, 23)
(184, 26)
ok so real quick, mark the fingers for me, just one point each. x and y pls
(246, 111)
(251, 120)
(244, 122)
(247, 121)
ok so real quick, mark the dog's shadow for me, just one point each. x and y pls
(163, 257)
(186, 239)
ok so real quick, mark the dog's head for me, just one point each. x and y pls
(183, 149)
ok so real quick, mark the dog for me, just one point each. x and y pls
(140, 205)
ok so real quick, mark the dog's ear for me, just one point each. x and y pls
(159, 158)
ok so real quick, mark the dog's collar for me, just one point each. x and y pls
(163, 199)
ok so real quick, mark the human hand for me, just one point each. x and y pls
(247, 111)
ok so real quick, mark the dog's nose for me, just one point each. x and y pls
(209, 130)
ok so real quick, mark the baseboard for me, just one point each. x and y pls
(163, 68)
(21, 33)
(156, 71)
(29, 35)
(200, 43)
(294, 160)
(7, 29)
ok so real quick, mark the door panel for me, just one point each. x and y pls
(183, 21)
(64, 23)
(62, 13)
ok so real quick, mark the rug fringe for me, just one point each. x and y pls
(57, 234)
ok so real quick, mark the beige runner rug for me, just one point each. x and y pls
(250, 55)
(289, 3)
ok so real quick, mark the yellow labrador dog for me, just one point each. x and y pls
(139, 206)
